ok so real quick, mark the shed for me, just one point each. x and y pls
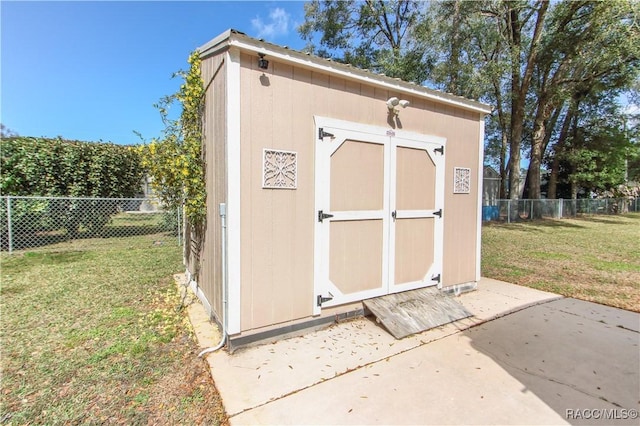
(328, 185)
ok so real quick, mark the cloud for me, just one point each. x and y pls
(278, 24)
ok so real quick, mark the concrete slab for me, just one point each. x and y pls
(357, 373)
(254, 376)
(558, 352)
(604, 314)
(494, 298)
(444, 382)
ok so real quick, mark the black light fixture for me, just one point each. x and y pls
(263, 64)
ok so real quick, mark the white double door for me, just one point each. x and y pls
(379, 198)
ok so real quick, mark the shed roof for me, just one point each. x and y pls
(234, 38)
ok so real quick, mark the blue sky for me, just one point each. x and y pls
(93, 70)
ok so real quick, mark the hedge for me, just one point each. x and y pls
(61, 168)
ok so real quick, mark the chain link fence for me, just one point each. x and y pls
(511, 210)
(28, 223)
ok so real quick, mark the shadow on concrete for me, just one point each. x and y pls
(571, 354)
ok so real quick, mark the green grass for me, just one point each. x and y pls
(92, 332)
(593, 258)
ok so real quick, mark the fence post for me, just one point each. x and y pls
(530, 209)
(179, 217)
(560, 208)
(509, 210)
(9, 230)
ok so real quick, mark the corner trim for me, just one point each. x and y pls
(232, 142)
(480, 185)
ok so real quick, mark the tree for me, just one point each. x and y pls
(370, 34)
(6, 132)
(598, 148)
(175, 161)
(589, 48)
(470, 41)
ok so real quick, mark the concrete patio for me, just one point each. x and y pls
(525, 357)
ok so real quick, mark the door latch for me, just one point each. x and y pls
(440, 150)
(322, 216)
(436, 278)
(438, 213)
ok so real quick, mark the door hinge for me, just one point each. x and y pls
(322, 134)
(436, 278)
(440, 150)
(438, 213)
(322, 216)
(320, 300)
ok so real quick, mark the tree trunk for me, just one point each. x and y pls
(539, 132)
(519, 88)
(517, 105)
(551, 125)
(503, 166)
(552, 191)
(558, 149)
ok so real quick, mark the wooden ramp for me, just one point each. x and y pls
(414, 311)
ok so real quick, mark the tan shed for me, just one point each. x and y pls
(328, 185)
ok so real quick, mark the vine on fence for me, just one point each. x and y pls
(175, 161)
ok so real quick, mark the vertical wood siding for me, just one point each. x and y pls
(214, 152)
(277, 110)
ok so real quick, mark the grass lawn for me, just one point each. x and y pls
(594, 258)
(93, 332)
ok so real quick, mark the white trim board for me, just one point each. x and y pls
(479, 184)
(233, 190)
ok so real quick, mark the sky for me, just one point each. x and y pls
(92, 71)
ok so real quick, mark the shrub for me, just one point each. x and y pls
(60, 168)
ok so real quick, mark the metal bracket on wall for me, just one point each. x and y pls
(322, 134)
(322, 216)
(438, 213)
(320, 300)
(440, 150)
(436, 278)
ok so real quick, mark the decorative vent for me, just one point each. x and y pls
(279, 169)
(461, 180)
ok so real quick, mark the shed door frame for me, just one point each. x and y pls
(391, 140)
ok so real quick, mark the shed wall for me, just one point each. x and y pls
(276, 226)
(214, 147)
